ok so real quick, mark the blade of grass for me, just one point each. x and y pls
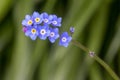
(19, 67)
(5, 6)
(68, 66)
(5, 34)
(74, 9)
(119, 63)
(115, 44)
(49, 6)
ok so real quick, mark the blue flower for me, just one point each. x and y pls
(27, 21)
(46, 18)
(72, 29)
(65, 39)
(32, 32)
(43, 31)
(37, 18)
(56, 21)
(54, 34)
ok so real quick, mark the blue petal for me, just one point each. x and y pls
(24, 22)
(54, 17)
(52, 40)
(56, 30)
(45, 15)
(35, 14)
(57, 36)
(70, 38)
(59, 19)
(27, 33)
(60, 43)
(43, 37)
(48, 32)
(59, 25)
(33, 37)
(50, 17)
(27, 17)
(65, 45)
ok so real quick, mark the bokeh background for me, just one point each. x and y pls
(97, 26)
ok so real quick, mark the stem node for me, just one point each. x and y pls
(91, 54)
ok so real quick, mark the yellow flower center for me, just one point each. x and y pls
(30, 22)
(33, 31)
(37, 19)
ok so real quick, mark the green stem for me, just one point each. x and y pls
(99, 60)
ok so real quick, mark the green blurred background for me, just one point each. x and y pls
(97, 26)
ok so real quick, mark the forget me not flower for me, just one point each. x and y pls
(27, 21)
(45, 26)
(32, 32)
(43, 31)
(56, 21)
(65, 39)
(54, 34)
(37, 18)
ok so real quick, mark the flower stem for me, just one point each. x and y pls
(99, 60)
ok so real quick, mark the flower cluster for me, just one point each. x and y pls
(45, 26)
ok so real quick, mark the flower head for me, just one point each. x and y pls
(37, 18)
(27, 21)
(32, 32)
(72, 29)
(65, 39)
(54, 34)
(43, 31)
(45, 26)
(56, 21)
